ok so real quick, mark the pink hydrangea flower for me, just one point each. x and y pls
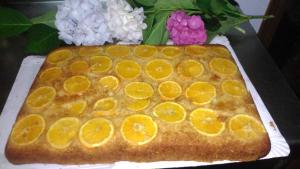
(185, 30)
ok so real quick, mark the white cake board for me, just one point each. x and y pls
(29, 69)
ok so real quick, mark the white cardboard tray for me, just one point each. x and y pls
(30, 67)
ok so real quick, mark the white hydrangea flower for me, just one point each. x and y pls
(125, 23)
(94, 22)
(82, 22)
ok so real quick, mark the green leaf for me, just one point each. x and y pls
(149, 22)
(211, 23)
(165, 37)
(216, 7)
(225, 26)
(157, 35)
(47, 19)
(12, 22)
(204, 5)
(146, 2)
(231, 22)
(42, 39)
(210, 35)
(175, 4)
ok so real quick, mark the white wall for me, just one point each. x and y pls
(254, 7)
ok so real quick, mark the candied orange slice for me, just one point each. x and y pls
(169, 90)
(59, 56)
(145, 51)
(195, 50)
(106, 104)
(77, 84)
(139, 90)
(170, 112)
(219, 51)
(51, 74)
(222, 66)
(234, 88)
(79, 66)
(101, 64)
(128, 69)
(137, 105)
(96, 132)
(171, 52)
(109, 82)
(62, 132)
(201, 93)
(89, 51)
(98, 59)
(159, 69)
(76, 107)
(190, 68)
(105, 107)
(246, 127)
(41, 97)
(138, 129)
(118, 51)
(28, 129)
(206, 122)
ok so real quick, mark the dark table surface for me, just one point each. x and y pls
(271, 85)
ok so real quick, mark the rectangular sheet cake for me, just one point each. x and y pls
(141, 103)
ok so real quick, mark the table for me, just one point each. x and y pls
(279, 98)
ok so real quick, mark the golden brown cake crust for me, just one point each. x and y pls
(173, 142)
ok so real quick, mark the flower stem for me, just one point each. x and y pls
(172, 9)
(260, 17)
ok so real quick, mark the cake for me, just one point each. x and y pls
(141, 103)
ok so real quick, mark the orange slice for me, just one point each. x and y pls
(159, 69)
(219, 51)
(76, 107)
(96, 132)
(28, 129)
(59, 56)
(109, 82)
(98, 59)
(190, 68)
(79, 66)
(170, 112)
(62, 132)
(206, 122)
(169, 90)
(89, 51)
(234, 88)
(77, 84)
(106, 104)
(51, 74)
(195, 50)
(201, 93)
(222, 66)
(118, 51)
(138, 129)
(41, 97)
(137, 105)
(105, 107)
(171, 52)
(145, 51)
(128, 69)
(139, 90)
(101, 64)
(246, 127)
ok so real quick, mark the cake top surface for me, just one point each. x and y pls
(92, 96)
